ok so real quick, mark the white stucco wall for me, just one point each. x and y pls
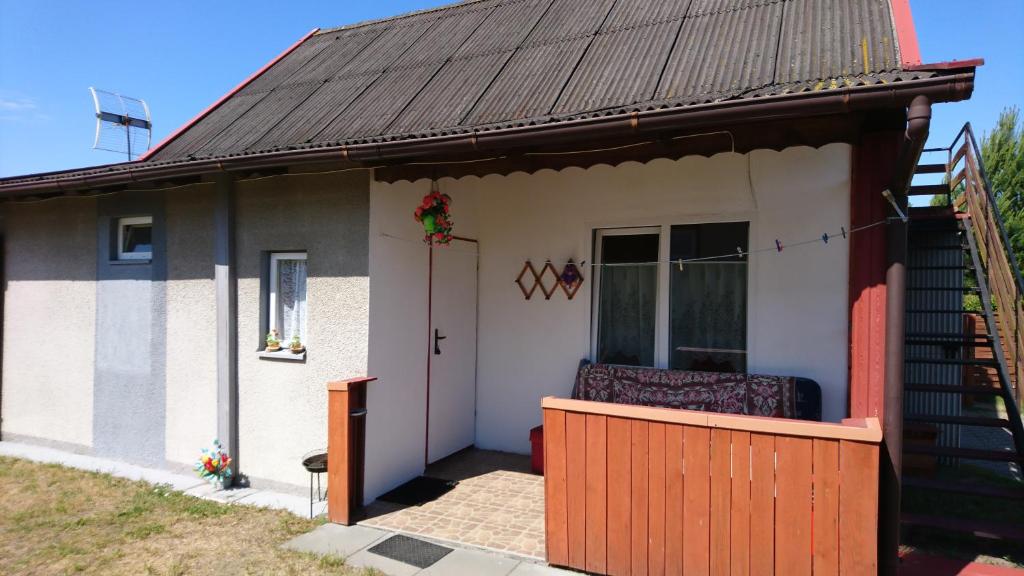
(283, 404)
(798, 303)
(49, 321)
(191, 397)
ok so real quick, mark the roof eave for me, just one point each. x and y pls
(952, 86)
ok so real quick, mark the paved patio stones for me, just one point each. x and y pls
(497, 505)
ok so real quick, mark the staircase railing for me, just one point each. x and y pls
(965, 168)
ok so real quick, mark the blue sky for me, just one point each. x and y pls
(181, 56)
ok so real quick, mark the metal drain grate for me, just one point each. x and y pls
(411, 551)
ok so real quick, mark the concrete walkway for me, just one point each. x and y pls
(353, 544)
(189, 484)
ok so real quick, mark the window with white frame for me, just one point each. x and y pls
(651, 311)
(287, 304)
(135, 238)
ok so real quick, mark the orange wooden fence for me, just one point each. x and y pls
(638, 491)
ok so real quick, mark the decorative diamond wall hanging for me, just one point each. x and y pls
(549, 280)
(542, 280)
(532, 280)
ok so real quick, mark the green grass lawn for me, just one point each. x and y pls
(56, 520)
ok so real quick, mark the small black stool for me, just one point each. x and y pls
(315, 463)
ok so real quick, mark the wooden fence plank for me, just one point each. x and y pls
(556, 539)
(656, 499)
(619, 490)
(721, 500)
(793, 506)
(739, 525)
(697, 503)
(597, 493)
(762, 504)
(638, 497)
(674, 482)
(858, 508)
(826, 507)
(576, 489)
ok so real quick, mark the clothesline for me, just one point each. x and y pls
(729, 258)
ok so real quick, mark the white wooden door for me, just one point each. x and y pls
(451, 392)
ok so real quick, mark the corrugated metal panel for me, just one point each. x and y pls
(186, 144)
(251, 125)
(450, 95)
(953, 323)
(724, 49)
(629, 14)
(386, 48)
(525, 90)
(507, 26)
(309, 118)
(341, 51)
(385, 99)
(281, 71)
(830, 38)
(569, 19)
(701, 7)
(443, 39)
(723, 53)
(621, 67)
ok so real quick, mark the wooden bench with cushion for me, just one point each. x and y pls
(723, 392)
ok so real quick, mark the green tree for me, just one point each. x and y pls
(1002, 152)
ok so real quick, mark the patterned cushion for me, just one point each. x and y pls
(726, 393)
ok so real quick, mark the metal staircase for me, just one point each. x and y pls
(958, 361)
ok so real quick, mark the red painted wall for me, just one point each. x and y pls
(873, 162)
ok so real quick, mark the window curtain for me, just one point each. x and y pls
(708, 311)
(627, 310)
(292, 299)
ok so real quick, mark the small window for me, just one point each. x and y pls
(135, 238)
(287, 309)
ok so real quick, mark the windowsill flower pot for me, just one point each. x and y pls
(273, 341)
(296, 346)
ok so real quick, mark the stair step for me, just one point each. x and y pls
(939, 247)
(944, 389)
(928, 189)
(933, 311)
(940, 268)
(930, 169)
(979, 528)
(962, 487)
(954, 361)
(961, 420)
(941, 342)
(963, 289)
(955, 335)
(965, 453)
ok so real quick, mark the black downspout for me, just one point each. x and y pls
(918, 121)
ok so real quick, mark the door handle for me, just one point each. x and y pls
(437, 340)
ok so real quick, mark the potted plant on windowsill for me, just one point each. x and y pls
(273, 341)
(296, 345)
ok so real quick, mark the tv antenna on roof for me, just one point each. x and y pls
(122, 123)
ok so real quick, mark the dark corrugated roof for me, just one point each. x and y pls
(495, 63)
(488, 65)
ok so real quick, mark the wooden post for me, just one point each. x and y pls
(346, 435)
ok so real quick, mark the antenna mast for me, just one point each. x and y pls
(123, 123)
